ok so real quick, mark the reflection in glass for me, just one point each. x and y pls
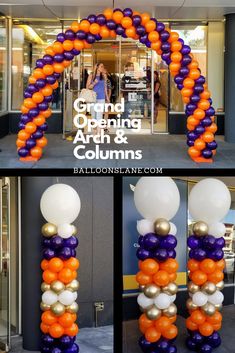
(3, 65)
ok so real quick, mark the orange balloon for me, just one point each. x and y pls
(42, 142)
(156, 45)
(104, 32)
(49, 276)
(78, 44)
(145, 17)
(190, 127)
(131, 32)
(214, 319)
(44, 328)
(108, 13)
(23, 135)
(206, 329)
(94, 28)
(149, 266)
(29, 103)
(20, 143)
(46, 113)
(193, 152)
(191, 325)
(142, 329)
(118, 16)
(174, 36)
(87, 45)
(194, 74)
(199, 277)
(176, 46)
(212, 128)
(216, 276)
(38, 73)
(204, 104)
(199, 113)
(152, 335)
(72, 263)
(30, 127)
(205, 94)
(32, 79)
(126, 22)
(56, 84)
(193, 65)
(39, 120)
(192, 121)
(66, 320)
(48, 70)
(208, 136)
(49, 50)
(170, 333)
(75, 26)
(143, 279)
(220, 265)
(74, 274)
(36, 152)
(48, 318)
(150, 26)
(154, 37)
(198, 317)
(217, 327)
(37, 97)
(193, 265)
(56, 330)
(44, 264)
(176, 57)
(85, 25)
(188, 82)
(65, 275)
(161, 278)
(172, 319)
(174, 66)
(186, 92)
(208, 266)
(55, 264)
(113, 34)
(58, 47)
(145, 322)
(58, 67)
(68, 45)
(71, 330)
(199, 144)
(162, 324)
(170, 265)
(47, 90)
(186, 100)
(172, 277)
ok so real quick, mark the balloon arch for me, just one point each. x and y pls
(128, 24)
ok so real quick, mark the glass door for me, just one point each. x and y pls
(4, 265)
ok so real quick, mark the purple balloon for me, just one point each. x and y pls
(136, 20)
(47, 340)
(59, 58)
(198, 88)
(43, 127)
(21, 125)
(171, 253)
(193, 242)
(164, 36)
(166, 46)
(178, 79)
(142, 254)
(56, 75)
(66, 341)
(111, 24)
(192, 135)
(25, 118)
(143, 39)
(181, 41)
(48, 59)
(185, 49)
(27, 94)
(166, 56)
(81, 35)
(60, 37)
(206, 348)
(64, 253)
(73, 349)
(69, 34)
(190, 143)
(46, 242)
(151, 241)
(98, 37)
(184, 71)
(101, 20)
(190, 344)
(214, 340)
(141, 240)
(51, 79)
(160, 27)
(148, 44)
(120, 30)
(199, 254)
(33, 112)
(37, 134)
(48, 99)
(73, 253)
(40, 63)
(217, 255)
(168, 242)
(90, 38)
(197, 337)
(40, 83)
(48, 253)
(207, 153)
(140, 30)
(46, 349)
(75, 51)
(220, 242)
(56, 242)
(172, 349)
(127, 12)
(144, 344)
(163, 345)
(186, 60)
(68, 55)
(209, 242)
(210, 111)
(56, 350)
(199, 130)
(191, 106)
(201, 80)
(91, 18)
(206, 121)
(23, 152)
(30, 143)
(43, 106)
(32, 88)
(195, 98)
(161, 254)
(71, 242)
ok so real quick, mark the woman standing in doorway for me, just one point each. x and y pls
(98, 83)
(157, 85)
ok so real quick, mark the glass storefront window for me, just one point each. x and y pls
(194, 35)
(3, 65)
(29, 39)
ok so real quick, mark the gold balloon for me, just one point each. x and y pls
(75, 230)
(45, 286)
(190, 304)
(44, 307)
(153, 313)
(162, 227)
(48, 230)
(208, 287)
(58, 308)
(209, 309)
(170, 289)
(141, 287)
(73, 308)
(200, 229)
(57, 286)
(170, 311)
(151, 290)
(220, 285)
(193, 288)
(218, 307)
(74, 285)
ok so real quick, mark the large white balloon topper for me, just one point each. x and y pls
(209, 201)
(60, 204)
(156, 197)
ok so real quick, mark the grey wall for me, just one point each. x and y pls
(95, 251)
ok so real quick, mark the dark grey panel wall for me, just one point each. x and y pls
(95, 250)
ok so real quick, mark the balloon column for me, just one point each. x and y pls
(209, 202)
(127, 23)
(60, 206)
(157, 199)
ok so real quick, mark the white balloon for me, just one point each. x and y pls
(209, 201)
(216, 298)
(173, 229)
(60, 204)
(172, 298)
(65, 230)
(162, 301)
(49, 297)
(145, 226)
(66, 297)
(217, 229)
(144, 301)
(156, 197)
(75, 295)
(199, 298)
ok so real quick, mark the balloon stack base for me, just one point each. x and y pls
(202, 160)
(29, 159)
